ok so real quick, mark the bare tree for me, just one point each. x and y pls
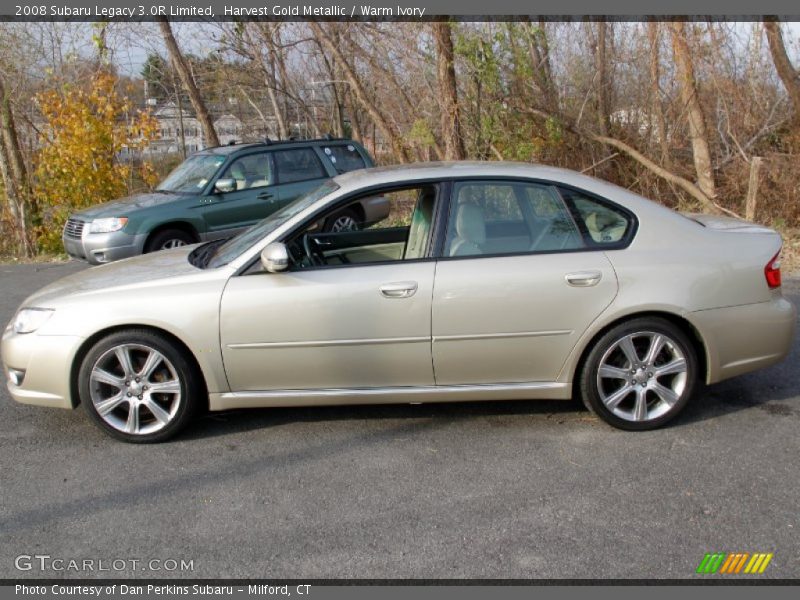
(790, 77)
(378, 118)
(698, 133)
(451, 119)
(185, 74)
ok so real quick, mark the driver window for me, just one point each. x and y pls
(387, 226)
(250, 171)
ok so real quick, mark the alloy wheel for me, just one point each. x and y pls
(173, 243)
(642, 376)
(135, 389)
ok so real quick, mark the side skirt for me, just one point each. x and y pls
(392, 395)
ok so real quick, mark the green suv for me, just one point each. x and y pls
(217, 193)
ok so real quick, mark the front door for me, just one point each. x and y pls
(255, 196)
(352, 312)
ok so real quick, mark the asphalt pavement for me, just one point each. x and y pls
(484, 490)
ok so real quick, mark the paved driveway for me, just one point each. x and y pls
(490, 490)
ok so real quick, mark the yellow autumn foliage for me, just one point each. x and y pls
(77, 163)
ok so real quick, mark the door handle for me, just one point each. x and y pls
(584, 278)
(401, 289)
(265, 196)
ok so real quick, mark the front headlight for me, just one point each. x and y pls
(29, 320)
(108, 225)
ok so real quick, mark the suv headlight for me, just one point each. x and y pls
(108, 225)
(29, 320)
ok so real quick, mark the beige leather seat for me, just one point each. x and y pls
(420, 229)
(470, 231)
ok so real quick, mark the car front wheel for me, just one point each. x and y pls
(640, 374)
(138, 386)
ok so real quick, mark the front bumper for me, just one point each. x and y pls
(741, 339)
(46, 361)
(99, 248)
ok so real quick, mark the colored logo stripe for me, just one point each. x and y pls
(733, 563)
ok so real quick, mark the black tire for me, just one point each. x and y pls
(334, 222)
(656, 389)
(168, 238)
(136, 344)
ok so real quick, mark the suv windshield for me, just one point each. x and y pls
(193, 174)
(235, 246)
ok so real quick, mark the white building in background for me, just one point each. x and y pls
(229, 129)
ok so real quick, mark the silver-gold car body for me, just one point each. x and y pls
(510, 281)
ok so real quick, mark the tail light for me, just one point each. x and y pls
(773, 272)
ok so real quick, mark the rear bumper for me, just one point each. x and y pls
(740, 339)
(99, 248)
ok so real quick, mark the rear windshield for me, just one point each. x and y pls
(345, 157)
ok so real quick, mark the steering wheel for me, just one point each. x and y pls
(313, 256)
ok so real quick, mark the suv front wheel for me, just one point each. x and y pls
(168, 238)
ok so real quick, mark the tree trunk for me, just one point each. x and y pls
(448, 92)
(268, 68)
(178, 60)
(392, 135)
(698, 133)
(601, 68)
(657, 121)
(788, 74)
(539, 51)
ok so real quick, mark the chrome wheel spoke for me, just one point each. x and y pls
(166, 387)
(106, 406)
(640, 409)
(666, 394)
(614, 399)
(656, 345)
(153, 360)
(609, 372)
(124, 358)
(132, 424)
(102, 376)
(159, 413)
(626, 345)
(673, 367)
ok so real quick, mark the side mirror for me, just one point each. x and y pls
(224, 186)
(275, 257)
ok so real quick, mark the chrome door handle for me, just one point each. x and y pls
(402, 289)
(584, 278)
(265, 196)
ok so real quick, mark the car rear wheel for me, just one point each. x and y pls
(168, 238)
(138, 386)
(640, 374)
(344, 220)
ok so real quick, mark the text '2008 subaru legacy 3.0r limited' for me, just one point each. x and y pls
(485, 281)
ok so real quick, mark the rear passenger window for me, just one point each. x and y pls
(490, 218)
(344, 157)
(298, 165)
(606, 225)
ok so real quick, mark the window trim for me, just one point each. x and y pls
(589, 246)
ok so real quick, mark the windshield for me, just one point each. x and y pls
(193, 174)
(235, 246)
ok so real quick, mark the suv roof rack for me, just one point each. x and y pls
(292, 140)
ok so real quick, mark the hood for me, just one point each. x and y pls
(728, 224)
(150, 268)
(123, 206)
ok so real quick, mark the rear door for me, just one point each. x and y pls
(298, 171)
(255, 197)
(510, 301)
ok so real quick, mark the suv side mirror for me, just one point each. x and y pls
(275, 257)
(226, 185)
